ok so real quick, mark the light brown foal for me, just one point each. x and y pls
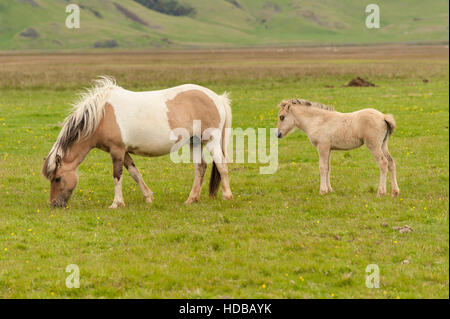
(330, 130)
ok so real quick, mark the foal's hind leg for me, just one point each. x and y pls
(392, 169)
(136, 175)
(200, 169)
(118, 159)
(383, 164)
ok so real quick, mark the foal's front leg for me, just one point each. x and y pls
(330, 189)
(324, 167)
(118, 160)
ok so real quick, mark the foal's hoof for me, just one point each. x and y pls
(117, 205)
(381, 194)
(149, 199)
(323, 191)
(395, 192)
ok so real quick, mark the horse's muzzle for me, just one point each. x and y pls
(60, 201)
(280, 135)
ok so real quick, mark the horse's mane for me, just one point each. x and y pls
(308, 103)
(81, 123)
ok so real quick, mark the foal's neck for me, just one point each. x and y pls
(306, 117)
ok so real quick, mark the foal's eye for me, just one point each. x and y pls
(281, 117)
(58, 179)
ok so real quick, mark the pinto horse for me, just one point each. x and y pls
(123, 122)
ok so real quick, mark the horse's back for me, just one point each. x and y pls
(147, 119)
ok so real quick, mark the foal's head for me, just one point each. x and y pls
(63, 181)
(286, 120)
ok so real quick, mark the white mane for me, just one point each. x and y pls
(82, 122)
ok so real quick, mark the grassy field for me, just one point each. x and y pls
(219, 23)
(278, 238)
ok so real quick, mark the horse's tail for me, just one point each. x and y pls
(391, 125)
(214, 182)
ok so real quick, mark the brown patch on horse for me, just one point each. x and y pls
(189, 106)
(108, 136)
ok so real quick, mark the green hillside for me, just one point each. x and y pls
(40, 24)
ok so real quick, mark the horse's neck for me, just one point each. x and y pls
(76, 154)
(306, 117)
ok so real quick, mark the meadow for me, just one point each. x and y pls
(278, 238)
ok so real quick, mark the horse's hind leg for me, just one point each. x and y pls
(383, 164)
(118, 160)
(200, 169)
(392, 169)
(222, 167)
(136, 175)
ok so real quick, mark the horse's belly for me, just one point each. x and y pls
(148, 143)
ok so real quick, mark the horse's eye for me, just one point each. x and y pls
(281, 117)
(58, 179)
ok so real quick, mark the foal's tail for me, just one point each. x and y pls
(214, 182)
(390, 121)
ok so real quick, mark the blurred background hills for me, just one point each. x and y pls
(178, 24)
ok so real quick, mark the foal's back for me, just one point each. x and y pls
(351, 130)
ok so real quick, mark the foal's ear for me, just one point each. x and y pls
(285, 104)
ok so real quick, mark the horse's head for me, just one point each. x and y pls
(286, 119)
(63, 181)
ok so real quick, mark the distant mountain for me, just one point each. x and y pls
(139, 24)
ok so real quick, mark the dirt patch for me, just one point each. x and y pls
(130, 15)
(30, 2)
(310, 15)
(30, 33)
(92, 10)
(360, 82)
(106, 44)
(403, 229)
(235, 3)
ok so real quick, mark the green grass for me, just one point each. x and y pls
(277, 239)
(220, 24)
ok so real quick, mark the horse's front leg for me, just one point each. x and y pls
(136, 175)
(324, 161)
(118, 160)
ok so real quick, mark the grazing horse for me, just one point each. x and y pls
(123, 122)
(330, 130)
